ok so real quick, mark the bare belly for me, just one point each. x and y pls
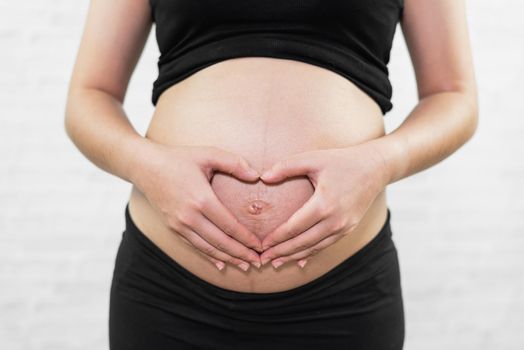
(263, 109)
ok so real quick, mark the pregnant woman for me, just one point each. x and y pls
(258, 217)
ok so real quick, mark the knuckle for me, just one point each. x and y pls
(323, 211)
(209, 250)
(199, 203)
(330, 209)
(313, 251)
(324, 208)
(220, 246)
(184, 217)
(174, 223)
(227, 230)
(351, 223)
(342, 234)
(301, 247)
(247, 258)
(185, 240)
(234, 261)
(339, 224)
(291, 233)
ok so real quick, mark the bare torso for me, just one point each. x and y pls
(263, 109)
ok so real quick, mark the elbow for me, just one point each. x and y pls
(67, 120)
(68, 116)
(467, 109)
(72, 111)
(472, 113)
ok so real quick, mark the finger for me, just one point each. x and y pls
(214, 236)
(299, 243)
(219, 215)
(311, 251)
(295, 165)
(230, 163)
(218, 263)
(305, 217)
(208, 250)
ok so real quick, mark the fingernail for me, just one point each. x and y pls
(253, 172)
(265, 260)
(256, 264)
(267, 173)
(244, 266)
(277, 263)
(220, 265)
(302, 263)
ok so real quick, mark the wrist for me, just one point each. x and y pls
(140, 158)
(393, 155)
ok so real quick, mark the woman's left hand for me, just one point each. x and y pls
(346, 181)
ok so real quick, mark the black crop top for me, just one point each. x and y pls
(350, 37)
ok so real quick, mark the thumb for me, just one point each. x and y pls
(230, 163)
(295, 165)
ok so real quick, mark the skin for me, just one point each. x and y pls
(445, 118)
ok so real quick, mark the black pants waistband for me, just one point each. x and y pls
(348, 273)
(357, 303)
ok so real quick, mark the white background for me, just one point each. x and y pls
(456, 225)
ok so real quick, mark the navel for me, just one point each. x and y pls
(257, 206)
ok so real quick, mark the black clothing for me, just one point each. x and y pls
(156, 303)
(350, 37)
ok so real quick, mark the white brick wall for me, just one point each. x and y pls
(456, 225)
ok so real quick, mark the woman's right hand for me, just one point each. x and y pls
(176, 180)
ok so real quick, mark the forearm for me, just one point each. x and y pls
(98, 126)
(437, 126)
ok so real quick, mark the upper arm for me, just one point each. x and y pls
(437, 38)
(114, 36)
